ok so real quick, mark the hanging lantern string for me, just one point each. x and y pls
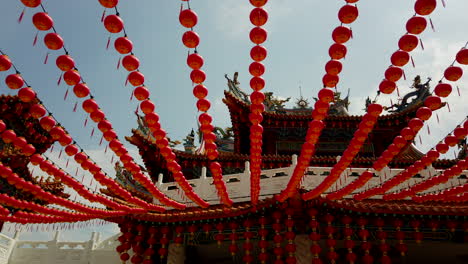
(387, 183)
(140, 201)
(453, 62)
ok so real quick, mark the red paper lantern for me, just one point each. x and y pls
(197, 76)
(65, 62)
(56, 132)
(200, 91)
(72, 77)
(451, 140)
(89, 105)
(337, 51)
(26, 94)
(190, 39)
(258, 16)
(393, 74)
(433, 102)
(47, 123)
(258, 53)
(460, 132)
(14, 81)
(195, 61)
(123, 45)
(53, 41)
(326, 95)
(71, 150)
(203, 105)
(348, 14)
(424, 113)
(141, 93)
(130, 63)
(256, 69)
(147, 106)
(110, 135)
(65, 140)
(415, 124)
(109, 3)
(37, 111)
(151, 118)
(19, 142)
(97, 116)
(341, 34)
(188, 18)
(136, 78)
(42, 21)
(408, 42)
(5, 63)
(330, 80)
(374, 109)
(453, 73)
(81, 90)
(8, 136)
(258, 35)
(28, 150)
(113, 23)
(416, 25)
(400, 58)
(31, 3)
(407, 133)
(462, 56)
(442, 148)
(333, 67)
(424, 7)
(443, 89)
(387, 87)
(257, 83)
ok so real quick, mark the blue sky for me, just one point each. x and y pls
(298, 41)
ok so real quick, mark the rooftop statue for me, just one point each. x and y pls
(235, 89)
(421, 93)
(273, 103)
(225, 134)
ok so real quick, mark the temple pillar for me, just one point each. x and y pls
(303, 254)
(176, 254)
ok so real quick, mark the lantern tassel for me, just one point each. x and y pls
(66, 165)
(65, 96)
(126, 81)
(92, 132)
(112, 159)
(131, 97)
(443, 3)
(108, 43)
(85, 122)
(428, 130)
(432, 24)
(412, 62)
(103, 15)
(35, 39)
(100, 142)
(420, 140)
(59, 79)
(105, 150)
(437, 116)
(20, 18)
(404, 75)
(74, 108)
(448, 107)
(60, 154)
(46, 58)
(398, 91)
(422, 44)
(118, 64)
(76, 172)
(458, 90)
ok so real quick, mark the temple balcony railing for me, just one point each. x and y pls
(6, 246)
(273, 181)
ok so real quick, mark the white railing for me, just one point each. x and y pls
(58, 252)
(6, 246)
(274, 181)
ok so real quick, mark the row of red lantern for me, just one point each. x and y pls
(454, 194)
(72, 77)
(124, 46)
(46, 166)
(258, 35)
(426, 160)
(48, 123)
(431, 103)
(39, 193)
(21, 204)
(354, 185)
(188, 18)
(337, 51)
(360, 136)
(407, 43)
